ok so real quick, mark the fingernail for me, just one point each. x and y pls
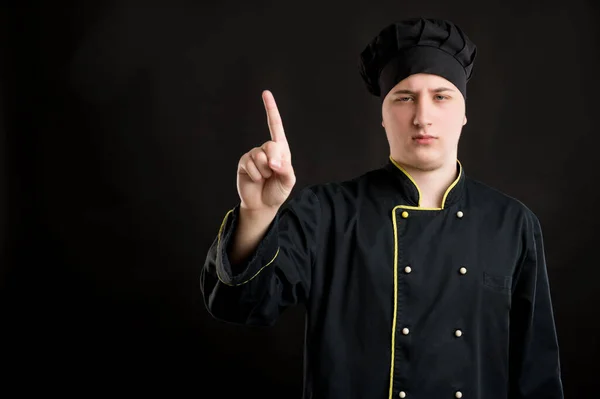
(276, 163)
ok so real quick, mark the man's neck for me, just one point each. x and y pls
(433, 184)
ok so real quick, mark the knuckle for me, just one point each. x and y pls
(267, 144)
(249, 163)
(253, 151)
(260, 156)
(271, 148)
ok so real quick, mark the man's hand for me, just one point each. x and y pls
(265, 176)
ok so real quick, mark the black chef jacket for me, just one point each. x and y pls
(401, 301)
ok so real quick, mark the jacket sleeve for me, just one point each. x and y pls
(276, 276)
(535, 371)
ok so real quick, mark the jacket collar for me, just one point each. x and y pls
(411, 193)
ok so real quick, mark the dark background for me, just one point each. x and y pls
(121, 124)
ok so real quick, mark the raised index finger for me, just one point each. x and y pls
(273, 118)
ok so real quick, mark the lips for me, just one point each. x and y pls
(424, 136)
(424, 139)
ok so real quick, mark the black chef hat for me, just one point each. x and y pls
(417, 45)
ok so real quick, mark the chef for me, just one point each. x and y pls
(418, 281)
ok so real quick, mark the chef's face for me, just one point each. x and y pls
(423, 116)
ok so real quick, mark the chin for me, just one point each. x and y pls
(425, 161)
(426, 166)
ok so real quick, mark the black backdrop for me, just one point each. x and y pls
(121, 126)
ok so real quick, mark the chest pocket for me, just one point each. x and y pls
(502, 284)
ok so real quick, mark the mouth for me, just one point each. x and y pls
(424, 139)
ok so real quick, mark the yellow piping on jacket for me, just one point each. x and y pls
(395, 225)
(418, 207)
(219, 246)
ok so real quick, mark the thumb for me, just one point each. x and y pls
(285, 173)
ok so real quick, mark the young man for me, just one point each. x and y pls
(418, 281)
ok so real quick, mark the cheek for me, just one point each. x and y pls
(454, 119)
(396, 117)
(456, 129)
(458, 122)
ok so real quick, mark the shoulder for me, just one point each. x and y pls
(352, 189)
(492, 200)
(341, 194)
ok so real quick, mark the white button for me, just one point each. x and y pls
(458, 333)
(459, 214)
(458, 394)
(463, 270)
(402, 394)
(405, 331)
(407, 269)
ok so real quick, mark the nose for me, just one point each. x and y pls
(422, 114)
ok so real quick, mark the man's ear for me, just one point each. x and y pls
(465, 120)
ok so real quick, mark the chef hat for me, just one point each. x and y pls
(417, 45)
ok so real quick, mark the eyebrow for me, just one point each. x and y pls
(438, 90)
